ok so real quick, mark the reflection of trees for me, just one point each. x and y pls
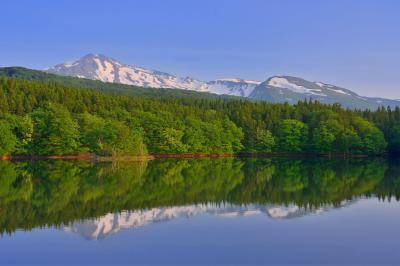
(52, 193)
(390, 186)
(14, 185)
(63, 191)
(310, 183)
(177, 182)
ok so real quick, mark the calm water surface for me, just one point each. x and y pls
(201, 211)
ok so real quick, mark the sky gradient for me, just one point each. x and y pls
(350, 43)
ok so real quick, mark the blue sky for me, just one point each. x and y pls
(352, 43)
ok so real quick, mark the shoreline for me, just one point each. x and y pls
(96, 158)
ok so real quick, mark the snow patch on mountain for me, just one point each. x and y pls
(233, 86)
(100, 67)
(332, 88)
(281, 82)
(105, 70)
(276, 89)
(339, 91)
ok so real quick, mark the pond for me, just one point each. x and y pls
(201, 211)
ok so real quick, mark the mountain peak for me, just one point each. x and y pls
(279, 88)
(91, 55)
(103, 68)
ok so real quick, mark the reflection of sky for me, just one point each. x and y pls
(364, 232)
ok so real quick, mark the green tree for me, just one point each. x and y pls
(374, 141)
(119, 139)
(324, 136)
(265, 141)
(109, 137)
(349, 142)
(8, 141)
(292, 135)
(171, 141)
(92, 132)
(22, 127)
(231, 137)
(55, 131)
(394, 138)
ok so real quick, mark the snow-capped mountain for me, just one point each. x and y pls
(100, 67)
(293, 89)
(275, 89)
(233, 86)
(113, 223)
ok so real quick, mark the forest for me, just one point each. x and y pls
(39, 117)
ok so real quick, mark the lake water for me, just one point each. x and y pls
(201, 211)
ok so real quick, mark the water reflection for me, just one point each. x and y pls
(113, 223)
(96, 200)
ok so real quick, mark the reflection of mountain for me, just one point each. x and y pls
(113, 223)
(55, 193)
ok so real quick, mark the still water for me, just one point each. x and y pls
(201, 211)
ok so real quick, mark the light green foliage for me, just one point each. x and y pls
(109, 137)
(14, 185)
(92, 132)
(55, 131)
(22, 128)
(292, 135)
(8, 140)
(265, 141)
(373, 140)
(121, 140)
(324, 136)
(171, 141)
(232, 137)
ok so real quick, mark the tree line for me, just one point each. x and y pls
(49, 118)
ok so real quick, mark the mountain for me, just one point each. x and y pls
(100, 67)
(113, 223)
(275, 89)
(113, 88)
(292, 89)
(233, 86)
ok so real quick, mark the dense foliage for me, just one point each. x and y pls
(48, 118)
(388, 121)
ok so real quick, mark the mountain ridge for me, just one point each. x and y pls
(278, 89)
(106, 69)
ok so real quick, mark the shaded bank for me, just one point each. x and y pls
(97, 158)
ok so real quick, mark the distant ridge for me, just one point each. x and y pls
(275, 89)
(101, 67)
